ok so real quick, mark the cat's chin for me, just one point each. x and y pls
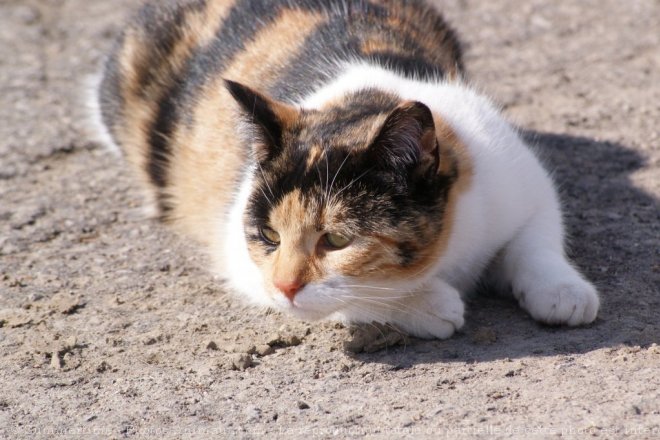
(306, 314)
(302, 309)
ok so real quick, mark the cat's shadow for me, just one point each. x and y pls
(613, 235)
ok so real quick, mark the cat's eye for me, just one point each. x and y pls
(336, 241)
(269, 235)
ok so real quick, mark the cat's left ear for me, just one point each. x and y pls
(407, 139)
(268, 116)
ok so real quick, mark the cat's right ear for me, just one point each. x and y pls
(268, 118)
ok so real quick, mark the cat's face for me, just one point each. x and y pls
(348, 204)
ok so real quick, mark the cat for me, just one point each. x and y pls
(334, 161)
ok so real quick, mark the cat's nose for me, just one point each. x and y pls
(289, 288)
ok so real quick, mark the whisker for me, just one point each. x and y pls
(318, 173)
(270, 202)
(383, 298)
(261, 170)
(337, 173)
(351, 183)
(370, 313)
(327, 174)
(368, 287)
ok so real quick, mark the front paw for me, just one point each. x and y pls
(572, 302)
(436, 314)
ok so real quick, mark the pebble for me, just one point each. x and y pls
(103, 367)
(280, 340)
(14, 318)
(265, 350)
(56, 361)
(66, 303)
(69, 343)
(484, 335)
(374, 337)
(253, 413)
(240, 362)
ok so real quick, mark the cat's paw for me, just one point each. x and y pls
(437, 314)
(573, 302)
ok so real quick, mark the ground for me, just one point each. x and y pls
(111, 326)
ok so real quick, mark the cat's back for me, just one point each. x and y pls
(163, 98)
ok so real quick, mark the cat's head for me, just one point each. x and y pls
(349, 203)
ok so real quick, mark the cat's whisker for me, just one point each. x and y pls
(270, 202)
(327, 174)
(370, 313)
(261, 170)
(337, 172)
(318, 173)
(384, 298)
(351, 183)
(391, 306)
(363, 286)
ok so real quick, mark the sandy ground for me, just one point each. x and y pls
(110, 326)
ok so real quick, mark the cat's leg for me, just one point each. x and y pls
(436, 311)
(542, 279)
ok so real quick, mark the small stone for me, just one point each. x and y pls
(69, 343)
(292, 340)
(103, 367)
(15, 318)
(274, 339)
(211, 345)
(264, 350)
(151, 340)
(66, 303)
(374, 337)
(302, 405)
(56, 361)
(240, 362)
(283, 340)
(484, 335)
(35, 297)
(253, 413)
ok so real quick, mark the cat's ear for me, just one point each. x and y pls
(268, 117)
(407, 139)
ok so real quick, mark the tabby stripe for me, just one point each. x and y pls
(322, 55)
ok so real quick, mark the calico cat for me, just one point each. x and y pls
(333, 161)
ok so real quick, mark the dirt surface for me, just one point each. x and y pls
(111, 327)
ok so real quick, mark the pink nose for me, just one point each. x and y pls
(289, 288)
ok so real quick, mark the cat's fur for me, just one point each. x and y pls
(248, 118)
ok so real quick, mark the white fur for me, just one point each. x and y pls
(242, 273)
(98, 131)
(511, 205)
